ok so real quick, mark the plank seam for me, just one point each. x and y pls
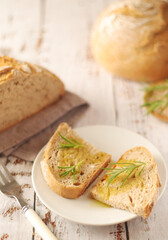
(127, 232)
(115, 102)
(34, 207)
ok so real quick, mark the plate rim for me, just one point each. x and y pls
(36, 160)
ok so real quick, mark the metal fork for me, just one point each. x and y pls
(11, 188)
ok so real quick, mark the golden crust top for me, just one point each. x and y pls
(10, 66)
(133, 33)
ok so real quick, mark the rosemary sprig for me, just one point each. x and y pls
(158, 104)
(129, 168)
(158, 87)
(154, 105)
(71, 169)
(73, 143)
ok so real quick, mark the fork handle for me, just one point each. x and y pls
(39, 225)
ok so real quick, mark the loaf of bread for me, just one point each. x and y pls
(25, 89)
(130, 39)
(83, 163)
(156, 100)
(139, 192)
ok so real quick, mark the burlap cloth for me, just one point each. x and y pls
(27, 138)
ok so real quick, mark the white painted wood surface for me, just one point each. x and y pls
(55, 34)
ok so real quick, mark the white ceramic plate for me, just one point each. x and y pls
(84, 210)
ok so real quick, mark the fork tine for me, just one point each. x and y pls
(7, 172)
(5, 181)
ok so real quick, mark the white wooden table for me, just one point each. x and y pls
(55, 34)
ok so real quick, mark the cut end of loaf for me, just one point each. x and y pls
(25, 90)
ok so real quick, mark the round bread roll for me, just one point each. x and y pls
(130, 39)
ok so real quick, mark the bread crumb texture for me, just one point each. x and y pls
(139, 193)
(91, 158)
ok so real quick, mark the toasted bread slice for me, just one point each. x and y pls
(139, 193)
(159, 91)
(90, 158)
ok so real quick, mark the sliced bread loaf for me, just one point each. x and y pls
(139, 193)
(69, 170)
(25, 89)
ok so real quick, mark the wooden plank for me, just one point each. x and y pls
(57, 37)
(13, 223)
(128, 98)
(20, 29)
(66, 51)
(19, 35)
(64, 229)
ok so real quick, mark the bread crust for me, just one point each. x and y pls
(12, 71)
(161, 117)
(129, 38)
(66, 191)
(146, 210)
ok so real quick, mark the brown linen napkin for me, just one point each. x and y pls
(27, 138)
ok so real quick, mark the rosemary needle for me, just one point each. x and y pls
(73, 143)
(160, 103)
(158, 87)
(71, 169)
(128, 168)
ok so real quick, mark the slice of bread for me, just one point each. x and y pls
(91, 159)
(139, 193)
(158, 94)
